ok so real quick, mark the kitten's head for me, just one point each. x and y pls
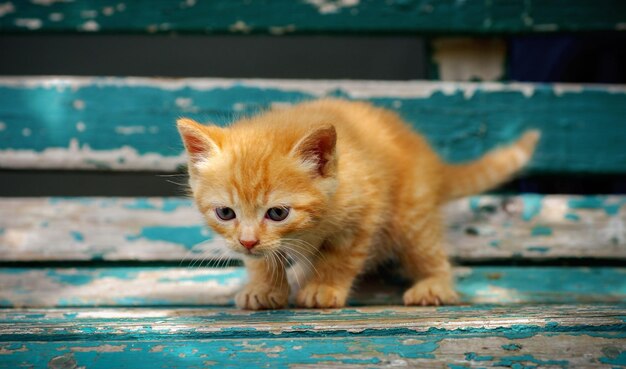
(258, 186)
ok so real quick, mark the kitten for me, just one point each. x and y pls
(339, 186)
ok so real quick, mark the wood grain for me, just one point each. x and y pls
(524, 227)
(128, 123)
(557, 336)
(280, 17)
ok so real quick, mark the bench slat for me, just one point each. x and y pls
(128, 123)
(287, 16)
(167, 286)
(555, 336)
(211, 322)
(531, 227)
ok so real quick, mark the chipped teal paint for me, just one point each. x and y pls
(617, 360)
(472, 356)
(187, 236)
(561, 284)
(460, 128)
(512, 347)
(541, 231)
(597, 202)
(169, 204)
(573, 217)
(275, 353)
(221, 278)
(83, 276)
(494, 243)
(532, 206)
(287, 16)
(511, 361)
(498, 285)
(539, 249)
(474, 203)
(77, 236)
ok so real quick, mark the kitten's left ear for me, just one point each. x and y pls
(200, 141)
(318, 148)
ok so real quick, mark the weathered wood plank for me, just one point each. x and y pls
(551, 336)
(71, 123)
(165, 286)
(480, 228)
(311, 16)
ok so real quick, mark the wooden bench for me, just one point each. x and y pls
(111, 282)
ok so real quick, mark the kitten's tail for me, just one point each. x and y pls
(491, 170)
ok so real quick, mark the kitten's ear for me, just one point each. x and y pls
(201, 142)
(318, 149)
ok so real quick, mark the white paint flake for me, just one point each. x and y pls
(561, 88)
(80, 126)
(78, 104)
(56, 17)
(120, 7)
(331, 6)
(108, 11)
(76, 156)
(3, 126)
(100, 348)
(49, 2)
(90, 26)
(30, 23)
(26, 132)
(183, 102)
(240, 26)
(614, 232)
(6, 8)
(290, 28)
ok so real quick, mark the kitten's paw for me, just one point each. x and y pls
(255, 297)
(315, 295)
(431, 291)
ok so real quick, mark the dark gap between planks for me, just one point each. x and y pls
(36, 183)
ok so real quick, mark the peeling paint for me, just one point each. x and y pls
(332, 6)
(6, 8)
(29, 23)
(90, 26)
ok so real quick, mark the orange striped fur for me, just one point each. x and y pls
(361, 186)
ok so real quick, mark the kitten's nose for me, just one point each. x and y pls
(249, 244)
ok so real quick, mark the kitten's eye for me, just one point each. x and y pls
(225, 213)
(277, 214)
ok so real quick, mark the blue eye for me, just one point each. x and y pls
(277, 214)
(225, 213)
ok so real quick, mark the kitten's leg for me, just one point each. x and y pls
(334, 272)
(424, 259)
(268, 287)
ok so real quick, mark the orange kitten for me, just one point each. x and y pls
(339, 187)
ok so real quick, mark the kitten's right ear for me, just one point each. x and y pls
(201, 142)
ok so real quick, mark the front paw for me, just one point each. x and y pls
(261, 297)
(315, 295)
(431, 291)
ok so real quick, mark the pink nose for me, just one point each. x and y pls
(249, 244)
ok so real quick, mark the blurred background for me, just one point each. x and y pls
(306, 40)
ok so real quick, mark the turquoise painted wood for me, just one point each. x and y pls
(312, 16)
(172, 286)
(457, 337)
(101, 123)
(528, 227)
